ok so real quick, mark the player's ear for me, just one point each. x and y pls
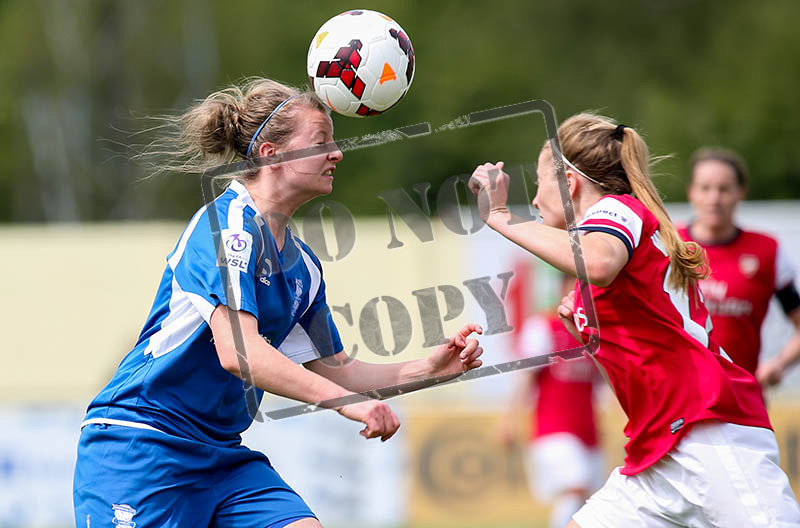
(572, 182)
(268, 150)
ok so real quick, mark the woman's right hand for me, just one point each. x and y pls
(378, 417)
(490, 184)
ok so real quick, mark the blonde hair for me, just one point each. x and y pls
(217, 130)
(619, 161)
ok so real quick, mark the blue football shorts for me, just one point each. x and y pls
(138, 477)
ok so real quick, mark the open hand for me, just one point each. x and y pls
(458, 354)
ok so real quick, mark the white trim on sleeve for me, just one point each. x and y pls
(298, 346)
(123, 423)
(784, 270)
(612, 210)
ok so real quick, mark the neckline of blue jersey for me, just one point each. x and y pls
(243, 194)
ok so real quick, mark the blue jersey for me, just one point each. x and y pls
(172, 380)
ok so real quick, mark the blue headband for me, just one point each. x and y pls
(252, 141)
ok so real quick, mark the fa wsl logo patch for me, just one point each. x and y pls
(123, 515)
(236, 251)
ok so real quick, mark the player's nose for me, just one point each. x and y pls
(336, 154)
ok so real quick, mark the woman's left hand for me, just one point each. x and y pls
(490, 184)
(458, 354)
(770, 373)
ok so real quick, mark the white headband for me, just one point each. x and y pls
(576, 169)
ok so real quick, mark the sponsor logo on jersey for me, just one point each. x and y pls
(607, 213)
(717, 301)
(748, 265)
(729, 307)
(604, 212)
(123, 515)
(714, 289)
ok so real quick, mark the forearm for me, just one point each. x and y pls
(604, 255)
(447, 361)
(790, 353)
(273, 372)
(548, 243)
(359, 376)
(262, 365)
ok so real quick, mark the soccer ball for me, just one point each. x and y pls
(360, 63)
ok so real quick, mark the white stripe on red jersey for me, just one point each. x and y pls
(665, 369)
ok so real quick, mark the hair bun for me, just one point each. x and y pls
(221, 125)
(229, 122)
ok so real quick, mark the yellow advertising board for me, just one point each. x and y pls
(460, 474)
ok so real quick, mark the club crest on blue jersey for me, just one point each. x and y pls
(123, 515)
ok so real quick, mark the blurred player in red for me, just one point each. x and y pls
(701, 452)
(563, 461)
(747, 268)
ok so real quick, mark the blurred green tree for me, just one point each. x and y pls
(79, 75)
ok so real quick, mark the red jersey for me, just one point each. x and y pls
(655, 346)
(563, 390)
(745, 273)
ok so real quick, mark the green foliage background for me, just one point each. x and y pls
(77, 75)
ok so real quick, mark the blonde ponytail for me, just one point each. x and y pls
(618, 159)
(687, 258)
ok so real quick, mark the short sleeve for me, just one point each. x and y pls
(785, 288)
(784, 270)
(611, 216)
(219, 269)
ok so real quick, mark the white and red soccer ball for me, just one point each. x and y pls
(360, 63)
